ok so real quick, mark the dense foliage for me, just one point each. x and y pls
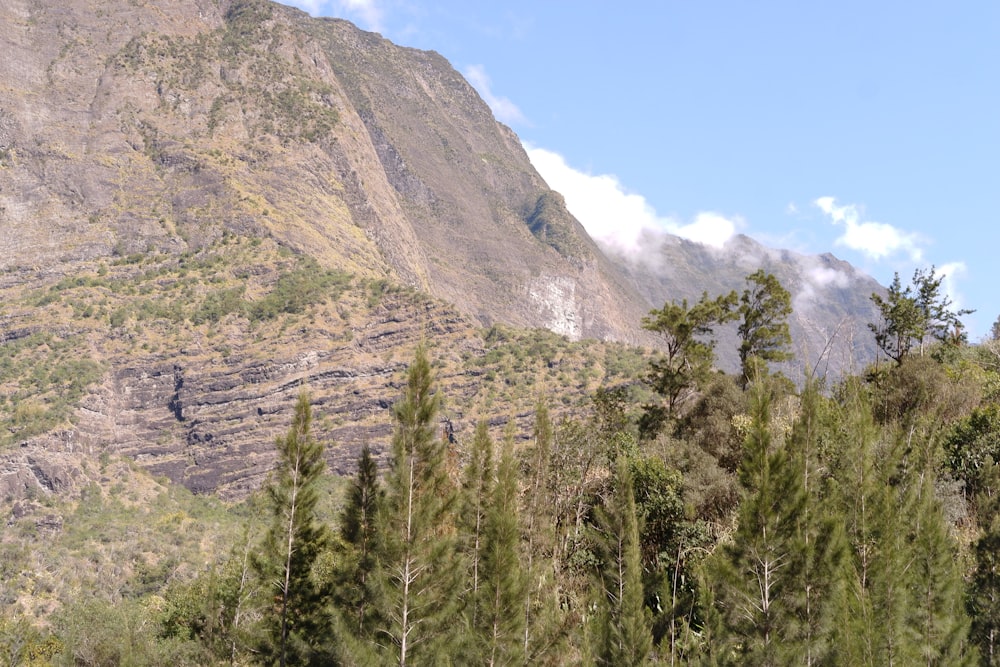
(848, 523)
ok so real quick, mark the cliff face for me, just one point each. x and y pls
(139, 139)
(159, 125)
(166, 169)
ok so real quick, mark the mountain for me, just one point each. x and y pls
(831, 299)
(208, 205)
(160, 125)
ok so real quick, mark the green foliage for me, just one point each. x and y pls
(295, 540)
(914, 314)
(753, 576)
(973, 450)
(358, 609)
(49, 374)
(419, 573)
(97, 632)
(24, 644)
(552, 224)
(920, 390)
(499, 619)
(983, 602)
(687, 356)
(296, 290)
(217, 304)
(764, 336)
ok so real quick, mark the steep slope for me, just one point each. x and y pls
(158, 125)
(207, 205)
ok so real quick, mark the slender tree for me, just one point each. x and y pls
(297, 620)
(355, 599)
(420, 572)
(477, 488)
(753, 577)
(624, 636)
(984, 596)
(503, 578)
(539, 536)
(819, 591)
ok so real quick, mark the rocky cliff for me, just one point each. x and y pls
(159, 125)
(207, 206)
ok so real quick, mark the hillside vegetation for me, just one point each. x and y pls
(849, 523)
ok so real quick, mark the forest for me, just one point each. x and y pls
(709, 519)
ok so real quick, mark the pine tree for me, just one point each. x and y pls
(538, 531)
(753, 577)
(937, 613)
(984, 596)
(819, 592)
(624, 633)
(357, 608)
(297, 620)
(503, 579)
(905, 606)
(420, 572)
(477, 488)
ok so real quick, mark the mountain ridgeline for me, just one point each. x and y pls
(207, 204)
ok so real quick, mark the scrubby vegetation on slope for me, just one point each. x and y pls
(845, 523)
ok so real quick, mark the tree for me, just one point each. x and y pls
(503, 589)
(819, 589)
(355, 600)
(912, 314)
(624, 636)
(292, 545)
(906, 593)
(476, 491)
(687, 356)
(420, 573)
(983, 602)
(753, 579)
(539, 531)
(764, 336)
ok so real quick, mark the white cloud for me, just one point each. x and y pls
(824, 276)
(367, 14)
(816, 278)
(875, 240)
(368, 11)
(618, 217)
(708, 228)
(950, 274)
(505, 110)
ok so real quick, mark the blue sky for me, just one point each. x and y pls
(868, 129)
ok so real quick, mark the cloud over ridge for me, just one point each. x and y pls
(613, 215)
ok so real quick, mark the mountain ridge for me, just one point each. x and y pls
(167, 168)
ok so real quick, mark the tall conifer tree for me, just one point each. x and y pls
(503, 577)
(356, 604)
(752, 578)
(477, 488)
(297, 620)
(819, 591)
(539, 534)
(420, 573)
(624, 635)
